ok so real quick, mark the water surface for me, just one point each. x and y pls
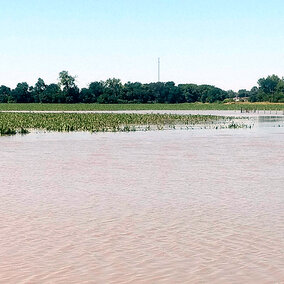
(198, 206)
(235, 113)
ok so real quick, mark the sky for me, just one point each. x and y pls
(226, 43)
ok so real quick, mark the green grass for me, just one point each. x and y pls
(117, 107)
(12, 123)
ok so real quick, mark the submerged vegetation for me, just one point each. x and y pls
(7, 131)
(4, 130)
(12, 123)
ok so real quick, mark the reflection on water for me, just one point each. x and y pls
(270, 121)
(202, 206)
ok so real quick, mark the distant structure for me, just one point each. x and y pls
(158, 69)
(241, 99)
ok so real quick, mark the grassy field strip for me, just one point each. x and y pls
(120, 107)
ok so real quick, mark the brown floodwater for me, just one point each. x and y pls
(197, 206)
(234, 113)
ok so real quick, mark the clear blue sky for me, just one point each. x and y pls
(227, 43)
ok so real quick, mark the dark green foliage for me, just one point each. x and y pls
(268, 85)
(243, 93)
(86, 96)
(4, 130)
(7, 131)
(133, 92)
(37, 91)
(52, 94)
(66, 81)
(112, 91)
(21, 94)
(271, 89)
(190, 92)
(5, 94)
(71, 95)
(91, 94)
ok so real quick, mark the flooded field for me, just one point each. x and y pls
(234, 113)
(179, 206)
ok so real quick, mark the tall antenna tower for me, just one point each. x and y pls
(158, 69)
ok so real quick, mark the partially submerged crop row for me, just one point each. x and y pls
(12, 123)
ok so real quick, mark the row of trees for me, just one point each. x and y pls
(113, 91)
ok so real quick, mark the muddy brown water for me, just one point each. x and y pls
(197, 206)
(234, 113)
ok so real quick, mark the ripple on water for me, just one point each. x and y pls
(156, 207)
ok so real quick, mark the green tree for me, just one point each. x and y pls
(190, 92)
(268, 85)
(51, 94)
(243, 93)
(278, 96)
(70, 91)
(96, 90)
(66, 81)
(231, 94)
(37, 90)
(113, 91)
(5, 94)
(22, 94)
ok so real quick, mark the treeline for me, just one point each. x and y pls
(269, 89)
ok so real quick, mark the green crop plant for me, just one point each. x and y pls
(12, 123)
(155, 106)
